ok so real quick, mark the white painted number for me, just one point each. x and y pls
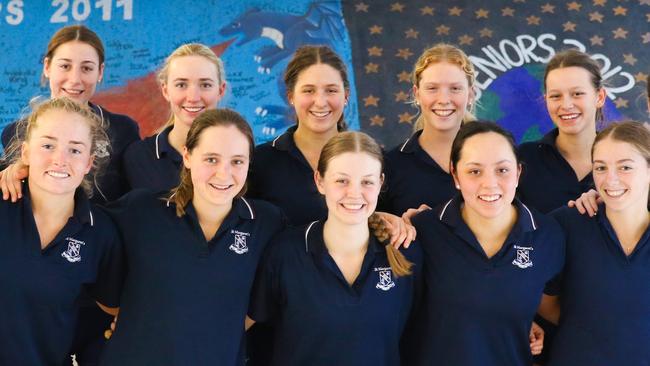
(59, 16)
(81, 9)
(84, 13)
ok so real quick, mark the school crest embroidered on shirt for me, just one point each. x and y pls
(101, 149)
(385, 278)
(239, 246)
(522, 260)
(73, 252)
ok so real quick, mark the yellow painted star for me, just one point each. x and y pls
(596, 40)
(640, 77)
(482, 13)
(507, 12)
(533, 20)
(412, 33)
(427, 10)
(574, 5)
(442, 29)
(406, 117)
(455, 11)
(371, 100)
(401, 96)
(375, 29)
(620, 103)
(646, 37)
(399, 7)
(569, 27)
(404, 53)
(485, 33)
(372, 67)
(465, 39)
(404, 76)
(596, 17)
(548, 8)
(375, 51)
(629, 59)
(620, 33)
(599, 2)
(361, 7)
(377, 120)
(619, 10)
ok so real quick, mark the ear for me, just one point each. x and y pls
(222, 89)
(186, 157)
(290, 97)
(46, 67)
(416, 94)
(454, 175)
(347, 95)
(381, 179)
(319, 182)
(163, 89)
(24, 153)
(90, 164)
(601, 96)
(519, 170)
(101, 73)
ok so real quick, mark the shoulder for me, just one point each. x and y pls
(569, 217)
(289, 241)
(121, 123)
(141, 147)
(264, 212)
(529, 150)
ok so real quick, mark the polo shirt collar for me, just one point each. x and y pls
(163, 147)
(549, 138)
(82, 211)
(411, 145)
(315, 242)
(604, 223)
(241, 207)
(285, 142)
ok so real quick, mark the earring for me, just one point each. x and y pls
(457, 186)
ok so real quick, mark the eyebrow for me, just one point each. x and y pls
(618, 161)
(347, 175)
(201, 79)
(83, 62)
(497, 163)
(219, 155)
(314, 85)
(74, 142)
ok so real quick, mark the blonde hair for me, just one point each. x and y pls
(352, 141)
(443, 52)
(98, 137)
(190, 49)
(184, 192)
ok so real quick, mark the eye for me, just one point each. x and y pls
(368, 183)
(578, 93)
(206, 85)
(599, 168)
(503, 170)
(456, 89)
(47, 146)
(474, 172)
(180, 84)
(626, 168)
(211, 160)
(75, 151)
(554, 96)
(88, 69)
(238, 162)
(332, 91)
(64, 66)
(341, 181)
(308, 91)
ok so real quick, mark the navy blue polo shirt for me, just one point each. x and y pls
(413, 178)
(604, 294)
(41, 288)
(478, 310)
(547, 180)
(319, 318)
(153, 163)
(185, 298)
(111, 184)
(281, 175)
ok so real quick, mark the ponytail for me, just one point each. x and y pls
(398, 263)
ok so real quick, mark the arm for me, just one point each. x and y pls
(385, 226)
(10, 181)
(549, 308)
(536, 338)
(248, 323)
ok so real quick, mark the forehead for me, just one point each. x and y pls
(568, 77)
(319, 74)
(487, 148)
(192, 67)
(611, 149)
(224, 140)
(354, 163)
(76, 50)
(443, 72)
(63, 125)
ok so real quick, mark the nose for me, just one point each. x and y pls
(59, 157)
(222, 170)
(612, 175)
(443, 97)
(320, 99)
(354, 190)
(75, 75)
(490, 180)
(567, 102)
(193, 93)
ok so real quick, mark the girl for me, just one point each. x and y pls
(487, 258)
(55, 242)
(349, 284)
(192, 256)
(192, 80)
(417, 172)
(607, 260)
(74, 65)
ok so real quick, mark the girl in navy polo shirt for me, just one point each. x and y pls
(54, 242)
(417, 171)
(604, 293)
(334, 293)
(558, 167)
(192, 80)
(192, 255)
(487, 259)
(73, 66)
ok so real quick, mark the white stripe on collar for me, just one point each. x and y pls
(250, 209)
(445, 209)
(532, 220)
(276, 139)
(306, 235)
(92, 219)
(401, 149)
(170, 198)
(157, 152)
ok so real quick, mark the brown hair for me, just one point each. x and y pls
(73, 33)
(99, 138)
(476, 128)
(575, 58)
(307, 56)
(190, 49)
(351, 141)
(221, 117)
(443, 52)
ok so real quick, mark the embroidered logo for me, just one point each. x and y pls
(73, 252)
(385, 278)
(523, 257)
(101, 149)
(239, 246)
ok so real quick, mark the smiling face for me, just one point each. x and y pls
(487, 173)
(73, 71)
(572, 100)
(218, 165)
(58, 152)
(351, 186)
(192, 87)
(319, 97)
(443, 94)
(621, 174)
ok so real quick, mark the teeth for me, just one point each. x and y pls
(320, 114)
(221, 187)
(490, 198)
(615, 193)
(58, 174)
(193, 109)
(73, 91)
(569, 116)
(443, 112)
(351, 206)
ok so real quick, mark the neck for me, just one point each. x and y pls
(345, 239)
(576, 146)
(51, 206)
(310, 141)
(490, 227)
(437, 144)
(633, 221)
(177, 136)
(210, 216)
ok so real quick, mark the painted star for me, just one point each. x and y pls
(619, 10)
(574, 5)
(465, 39)
(629, 59)
(412, 33)
(371, 100)
(533, 20)
(640, 77)
(455, 11)
(427, 10)
(442, 29)
(599, 2)
(596, 40)
(401, 96)
(399, 7)
(596, 17)
(377, 120)
(404, 76)
(619, 33)
(375, 51)
(361, 7)
(519, 1)
(548, 8)
(482, 13)
(569, 27)
(406, 117)
(372, 67)
(507, 12)
(375, 29)
(621, 103)
(404, 53)
(485, 33)
(646, 37)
